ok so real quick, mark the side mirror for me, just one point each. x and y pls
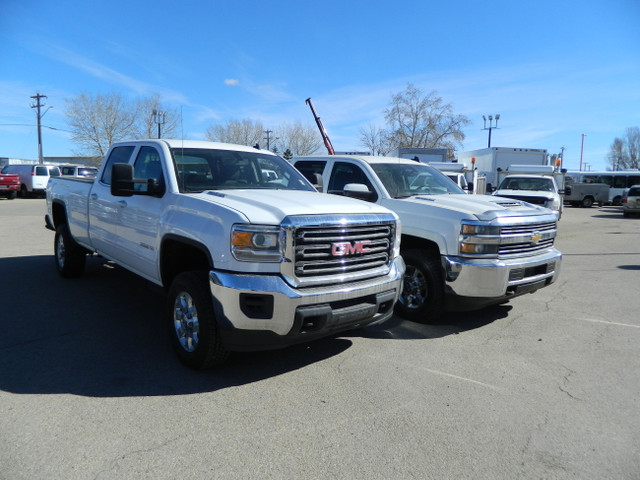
(358, 190)
(122, 180)
(123, 183)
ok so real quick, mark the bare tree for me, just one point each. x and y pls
(147, 108)
(375, 140)
(241, 132)
(625, 152)
(417, 120)
(299, 139)
(97, 121)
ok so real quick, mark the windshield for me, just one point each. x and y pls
(525, 183)
(200, 169)
(405, 180)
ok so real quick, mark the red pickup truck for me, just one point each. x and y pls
(9, 185)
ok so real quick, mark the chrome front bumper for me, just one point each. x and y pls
(262, 311)
(495, 278)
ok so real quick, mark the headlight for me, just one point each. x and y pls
(478, 248)
(396, 245)
(474, 229)
(479, 239)
(256, 243)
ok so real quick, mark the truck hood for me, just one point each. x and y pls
(483, 207)
(270, 207)
(507, 192)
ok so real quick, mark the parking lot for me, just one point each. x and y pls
(545, 387)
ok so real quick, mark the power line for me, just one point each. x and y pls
(31, 125)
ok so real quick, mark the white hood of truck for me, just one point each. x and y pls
(270, 207)
(507, 192)
(482, 207)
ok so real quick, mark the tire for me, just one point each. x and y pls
(193, 328)
(587, 202)
(70, 257)
(24, 193)
(617, 201)
(625, 214)
(422, 298)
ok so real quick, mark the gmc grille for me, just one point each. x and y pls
(361, 248)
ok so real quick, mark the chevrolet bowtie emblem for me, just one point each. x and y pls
(535, 238)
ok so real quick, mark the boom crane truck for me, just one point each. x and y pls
(323, 132)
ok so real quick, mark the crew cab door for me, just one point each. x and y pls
(137, 229)
(104, 211)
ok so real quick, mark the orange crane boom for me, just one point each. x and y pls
(323, 132)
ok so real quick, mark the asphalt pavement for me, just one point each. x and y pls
(544, 387)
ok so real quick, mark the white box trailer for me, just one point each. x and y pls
(487, 161)
(423, 155)
(457, 172)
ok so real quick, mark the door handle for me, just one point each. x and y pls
(94, 196)
(122, 204)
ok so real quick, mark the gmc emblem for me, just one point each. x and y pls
(347, 248)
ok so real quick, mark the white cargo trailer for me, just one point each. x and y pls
(487, 161)
(423, 155)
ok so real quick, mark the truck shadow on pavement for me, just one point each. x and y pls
(103, 335)
(448, 324)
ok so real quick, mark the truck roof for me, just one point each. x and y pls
(531, 169)
(179, 143)
(364, 158)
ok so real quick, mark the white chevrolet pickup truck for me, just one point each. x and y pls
(251, 255)
(462, 252)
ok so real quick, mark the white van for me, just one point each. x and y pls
(33, 178)
(78, 171)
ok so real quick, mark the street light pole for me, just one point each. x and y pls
(159, 119)
(491, 126)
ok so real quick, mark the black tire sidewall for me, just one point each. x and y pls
(429, 265)
(209, 351)
(75, 256)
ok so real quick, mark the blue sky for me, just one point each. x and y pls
(553, 70)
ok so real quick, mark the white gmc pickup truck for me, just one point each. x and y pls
(461, 251)
(251, 255)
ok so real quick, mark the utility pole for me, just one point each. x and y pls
(159, 119)
(268, 138)
(491, 126)
(38, 106)
(582, 150)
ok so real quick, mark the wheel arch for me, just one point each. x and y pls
(411, 242)
(180, 254)
(59, 213)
